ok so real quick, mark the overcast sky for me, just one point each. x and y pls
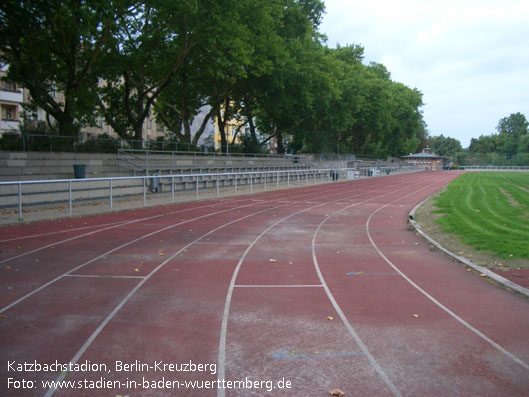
(470, 59)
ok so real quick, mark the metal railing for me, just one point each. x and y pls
(493, 168)
(144, 160)
(22, 194)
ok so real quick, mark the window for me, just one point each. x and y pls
(9, 113)
(9, 86)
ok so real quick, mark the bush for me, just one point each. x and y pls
(100, 144)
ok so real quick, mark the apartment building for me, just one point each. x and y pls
(13, 97)
(11, 100)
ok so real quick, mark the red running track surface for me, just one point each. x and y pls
(294, 292)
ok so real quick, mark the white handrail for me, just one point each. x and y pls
(195, 178)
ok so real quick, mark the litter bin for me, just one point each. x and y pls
(155, 183)
(79, 170)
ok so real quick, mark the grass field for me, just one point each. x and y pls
(488, 211)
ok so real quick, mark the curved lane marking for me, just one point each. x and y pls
(224, 327)
(436, 302)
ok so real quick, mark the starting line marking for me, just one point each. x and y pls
(289, 354)
(280, 286)
(370, 274)
(101, 276)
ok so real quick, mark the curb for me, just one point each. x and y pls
(482, 270)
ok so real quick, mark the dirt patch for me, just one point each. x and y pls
(426, 218)
(510, 198)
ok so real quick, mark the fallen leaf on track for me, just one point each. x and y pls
(272, 260)
(330, 318)
(337, 392)
(416, 315)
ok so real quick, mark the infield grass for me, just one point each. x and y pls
(488, 211)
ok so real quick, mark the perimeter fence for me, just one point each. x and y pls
(93, 195)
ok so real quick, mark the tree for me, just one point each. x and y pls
(286, 95)
(515, 125)
(150, 49)
(510, 139)
(445, 146)
(52, 48)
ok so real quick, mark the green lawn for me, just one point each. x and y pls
(488, 211)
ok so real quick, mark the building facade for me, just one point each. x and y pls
(11, 100)
(426, 159)
(12, 114)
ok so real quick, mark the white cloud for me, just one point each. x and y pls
(469, 58)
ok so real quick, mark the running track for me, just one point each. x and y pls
(322, 286)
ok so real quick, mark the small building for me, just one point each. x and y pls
(426, 159)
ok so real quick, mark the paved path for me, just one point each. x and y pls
(293, 292)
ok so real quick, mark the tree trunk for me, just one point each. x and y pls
(221, 122)
(202, 127)
(67, 125)
(280, 147)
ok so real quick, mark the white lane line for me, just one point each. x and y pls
(111, 315)
(219, 243)
(101, 276)
(114, 225)
(342, 245)
(64, 241)
(339, 311)
(43, 286)
(59, 231)
(124, 223)
(117, 222)
(221, 370)
(107, 253)
(439, 304)
(278, 286)
(98, 330)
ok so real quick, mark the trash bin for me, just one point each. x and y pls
(79, 170)
(155, 183)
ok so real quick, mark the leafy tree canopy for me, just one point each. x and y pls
(262, 62)
(512, 137)
(444, 146)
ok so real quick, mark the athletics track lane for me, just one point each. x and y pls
(277, 325)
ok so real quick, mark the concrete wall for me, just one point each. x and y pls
(44, 165)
